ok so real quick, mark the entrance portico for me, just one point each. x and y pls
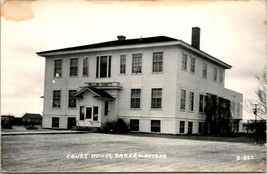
(95, 105)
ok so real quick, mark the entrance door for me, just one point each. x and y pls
(71, 122)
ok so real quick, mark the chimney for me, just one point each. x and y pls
(195, 42)
(121, 37)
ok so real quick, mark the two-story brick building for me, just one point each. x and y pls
(156, 84)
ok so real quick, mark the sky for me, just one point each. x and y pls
(232, 31)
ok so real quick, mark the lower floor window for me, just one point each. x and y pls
(134, 125)
(155, 125)
(200, 127)
(190, 127)
(182, 123)
(55, 122)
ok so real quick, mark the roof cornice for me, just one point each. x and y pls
(110, 48)
(179, 43)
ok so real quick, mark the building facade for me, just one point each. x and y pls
(155, 84)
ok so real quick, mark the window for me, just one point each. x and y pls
(190, 127)
(72, 99)
(56, 98)
(137, 63)
(135, 98)
(220, 76)
(123, 64)
(134, 125)
(184, 62)
(204, 72)
(81, 112)
(106, 108)
(95, 113)
(85, 67)
(73, 67)
(103, 66)
(156, 97)
(192, 65)
(57, 68)
(157, 62)
(215, 74)
(155, 125)
(55, 122)
(191, 101)
(182, 124)
(183, 97)
(202, 103)
(200, 127)
(88, 114)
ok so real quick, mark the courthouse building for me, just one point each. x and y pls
(155, 84)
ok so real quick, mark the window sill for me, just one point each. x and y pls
(123, 74)
(57, 77)
(157, 72)
(74, 76)
(155, 109)
(72, 108)
(136, 73)
(135, 109)
(191, 111)
(193, 73)
(85, 76)
(182, 110)
(56, 108)
(184, 70)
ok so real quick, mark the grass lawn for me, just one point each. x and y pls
(95, 152)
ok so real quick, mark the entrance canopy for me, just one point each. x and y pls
(99, 93)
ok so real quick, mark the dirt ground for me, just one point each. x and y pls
(95, 152)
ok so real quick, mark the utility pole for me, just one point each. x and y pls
(256, 130)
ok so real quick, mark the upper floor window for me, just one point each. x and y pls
(156, 97)
(103, 66)
(184, 62)
(58, 68)
(135, 98)
(205, 69)
(202, 103)
(56, 98)
(85, 67)
(192, 65)
(137, 63)
(72, 99)
(220, 76)
(183, 98)
(191, 101)
(157, 62)
(215, 74)
(74, 67)
(123, 64)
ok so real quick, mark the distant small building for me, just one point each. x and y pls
(30, 118)
(7, 121)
